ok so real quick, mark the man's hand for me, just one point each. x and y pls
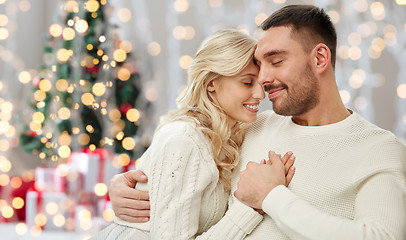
(258, 179)
(129, 204)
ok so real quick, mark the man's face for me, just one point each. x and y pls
(286, 72)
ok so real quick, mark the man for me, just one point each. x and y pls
(350, 175)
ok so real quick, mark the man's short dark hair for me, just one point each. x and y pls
(310, 25)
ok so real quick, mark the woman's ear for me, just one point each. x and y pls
(211, 87)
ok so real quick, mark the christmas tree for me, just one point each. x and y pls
(88, 84)
(87, 107)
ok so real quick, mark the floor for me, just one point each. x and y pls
(8, 232)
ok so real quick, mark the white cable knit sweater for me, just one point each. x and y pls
(185, 194)
(349, 181)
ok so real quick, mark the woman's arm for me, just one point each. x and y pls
(178, 179)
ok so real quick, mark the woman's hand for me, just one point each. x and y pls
(288, 160)
(129, 204)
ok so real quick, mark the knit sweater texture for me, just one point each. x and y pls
(186, 196)
(349, 181)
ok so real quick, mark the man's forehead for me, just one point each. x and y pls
(275, 37)
(262, 44)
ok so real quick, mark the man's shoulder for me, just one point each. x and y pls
(382, 147)
(367, 129)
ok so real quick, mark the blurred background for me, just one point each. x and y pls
(83, 84)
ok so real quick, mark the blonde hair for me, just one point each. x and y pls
(225, 53)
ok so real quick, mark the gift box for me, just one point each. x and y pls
(48, 179)
(90, 168)
(48, 210)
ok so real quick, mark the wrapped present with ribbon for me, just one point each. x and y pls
(48, 179)
(94, 167)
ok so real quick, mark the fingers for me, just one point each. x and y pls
(289, 162)
(286, 157)
(131, 193)
(131, 209)
(143, 195)
(134, 176)
(273, 158)
(133, 212)
(134, 202)
(133, 219)
(290, 174)
(139, 176)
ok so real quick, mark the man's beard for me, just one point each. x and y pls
(300, 98)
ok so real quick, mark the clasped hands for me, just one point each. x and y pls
(256, 181)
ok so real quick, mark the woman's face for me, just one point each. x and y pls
(239, 95)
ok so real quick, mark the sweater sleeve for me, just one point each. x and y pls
(178, 180)
(380, 204)
(174, 192)
(239, 221)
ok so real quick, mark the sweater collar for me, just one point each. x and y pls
(330, 127)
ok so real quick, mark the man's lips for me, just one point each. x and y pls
(273, 91)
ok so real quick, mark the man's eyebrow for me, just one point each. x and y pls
(273, 52)
(269, 54)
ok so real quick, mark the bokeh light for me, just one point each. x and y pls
(21, 228)
(124, 14)
(55, 30)
(133, 115)
(154, 49)
(377, 10)
(401, 90)
(92, 5)
(119, 55)
(181, 5)
(259, 18)
(185, 61)
(3, 20)
(100, 189)
(68, 34)
(128, 143)
(24, 77)
(3, 33)
(81, 26)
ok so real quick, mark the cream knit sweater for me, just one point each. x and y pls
(185, 194)
(349, 181)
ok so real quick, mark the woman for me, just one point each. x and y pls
(196, 147)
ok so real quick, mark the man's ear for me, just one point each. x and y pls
(211, 86)
(322, 57)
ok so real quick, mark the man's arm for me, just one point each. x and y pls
(128, 203)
